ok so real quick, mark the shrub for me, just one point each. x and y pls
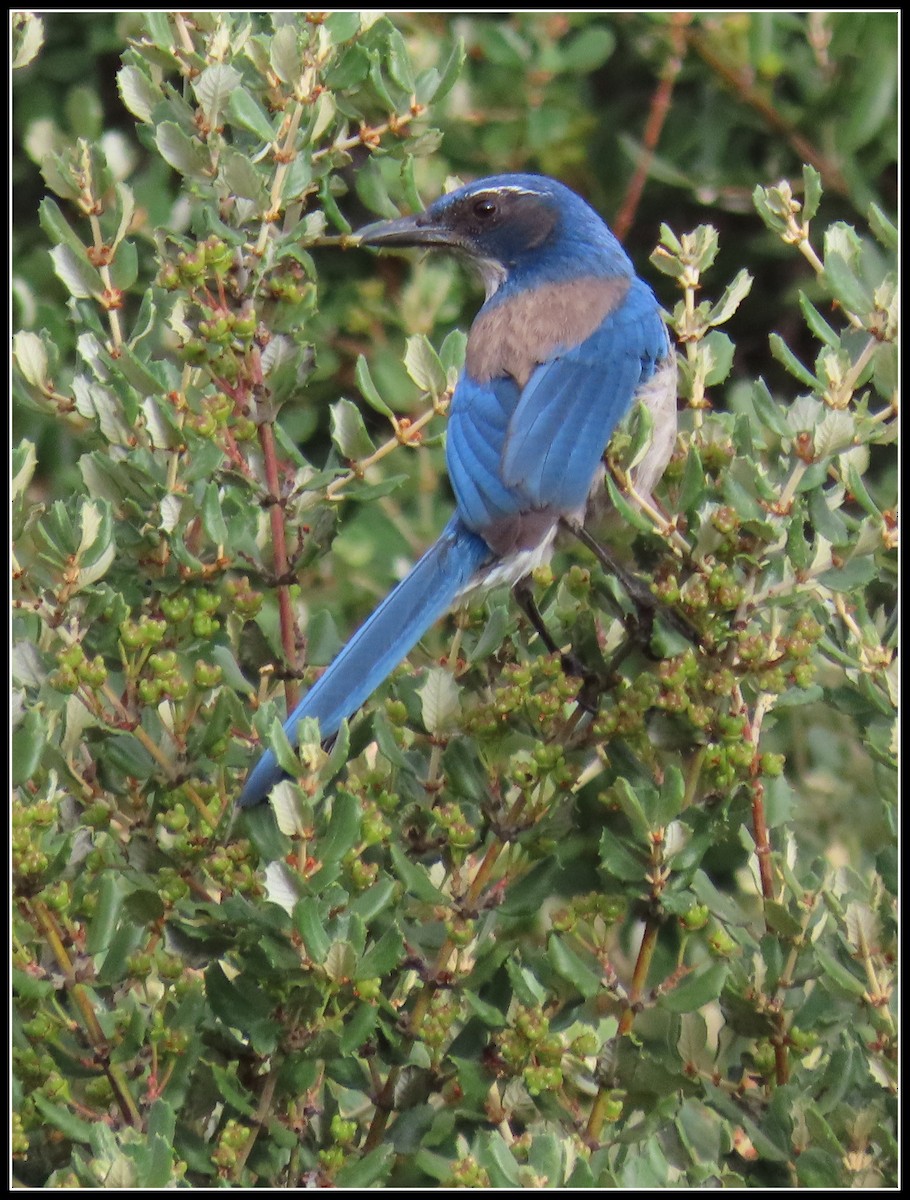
(484, 940)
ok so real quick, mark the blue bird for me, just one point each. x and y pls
(568, 338)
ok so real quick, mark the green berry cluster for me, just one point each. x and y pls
(589, 912)
(530, 1049)
(76, 670)
(537, 690)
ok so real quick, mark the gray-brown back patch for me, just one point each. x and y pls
(518, 334)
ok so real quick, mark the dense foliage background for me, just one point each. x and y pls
(484, 940)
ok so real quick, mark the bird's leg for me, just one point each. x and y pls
(646, 603)
(571, 664)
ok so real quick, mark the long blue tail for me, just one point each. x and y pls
(380, 644)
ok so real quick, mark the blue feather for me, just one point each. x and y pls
(426, 592)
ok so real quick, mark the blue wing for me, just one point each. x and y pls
(512, 450)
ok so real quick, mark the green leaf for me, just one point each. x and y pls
(727, 1106)
(238, 1002)
(817, 323)
(61, 1118)
(358, 1029)
(812, 191)
(28, 38)
(718, 350)
(323, 115)
(76, 273)
(186, 155)
(450, 71)
(343, 830)
(782, 352)
(843, 979)
(213, 88)
(587, 49)
(297, 183)
(241, 177)
(284, 54)
(138, 93)
(489, 1014)
(159, 29)
(244, 111)
(398, 62)
(572, 967)
(733, 296)
(340, 962)
(372, 190)
(670, 797)
(883, 227)
(440, 701)
(694, 483)
(414, 878)
(25, 460)
(849, 576)
(382, 958)
(833, 433)
(212, 517)
(58, 228)
(379, 85)
(618, 860)
(857, 490)
(349, 432)
(702, 1132)
(31, 357)
(367, 1171)
(823, 1136)
(343, 26)
(106, 915)
(781, 920)
(309, 921)
(375, 900)
(369, 390)
(846, 286)
(819, 1170)
(623, 794)
(500, 1164)
(125, 266)
(29, 740)
(630, 514)
(842, 268)
(233, 1092)
(701, 987)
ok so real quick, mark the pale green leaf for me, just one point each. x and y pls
(245, 112)
(28, 38)
(349, 433)
(77, 274)
(31, 357)
(285, 54)
(186, 155)
(440, 700)
(213, 88)
(731, 299)
(138, 93)
(281, 887)
(25, 460)
(423, 365)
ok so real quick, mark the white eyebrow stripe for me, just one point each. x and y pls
(506, 187)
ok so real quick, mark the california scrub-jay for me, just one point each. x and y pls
(567, 339)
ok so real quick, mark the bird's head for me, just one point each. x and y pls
(509, 227)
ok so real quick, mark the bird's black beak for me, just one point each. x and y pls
(417, 230)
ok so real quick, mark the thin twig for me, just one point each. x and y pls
(660, 106)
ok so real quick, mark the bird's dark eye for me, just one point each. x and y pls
(485, 207)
